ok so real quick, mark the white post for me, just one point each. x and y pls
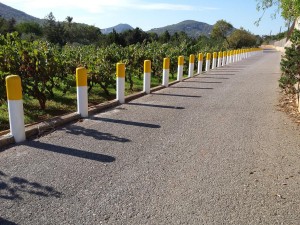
(224, 58)
(166, 71)
(228, 58)
(147, 76)
(207, 63)
(82, 93)
(15, 107)
(214, 62)
(121, 82)
(200, 63)
(220, 57)
(180, 68)
(233, 56)
(191, 65)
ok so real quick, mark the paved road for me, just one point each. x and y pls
(210, 150)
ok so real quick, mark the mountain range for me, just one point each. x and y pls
(190, 27)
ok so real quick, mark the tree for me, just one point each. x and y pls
(29, 28)
(241, 38)
(290, 64)
(165, 37)
(290, 9)
(54, 31)
(221, 30)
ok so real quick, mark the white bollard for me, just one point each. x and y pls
(200, 63)
(191, 65)
(228, 58)
(121, 82)
(82, 93)
(207, 63)
(220, 58)
(233, 56)
(180, 68)
(15, 107)
(166, 71)
(224, 58)
(214, 62)
(147, 76)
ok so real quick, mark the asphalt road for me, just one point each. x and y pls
(213, 149)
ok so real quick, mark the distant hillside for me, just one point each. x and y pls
(118, 28)
(8, 12)
(190, 27)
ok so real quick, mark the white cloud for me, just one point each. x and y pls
(99, 6)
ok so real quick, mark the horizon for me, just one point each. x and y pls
(104, 15)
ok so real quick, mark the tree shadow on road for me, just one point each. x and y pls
(6, 222)
(12, 188)
(80, 130)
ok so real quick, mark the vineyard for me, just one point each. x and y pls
(48, 71)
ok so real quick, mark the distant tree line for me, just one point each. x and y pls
(223, 34)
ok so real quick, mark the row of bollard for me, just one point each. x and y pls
(14, 90)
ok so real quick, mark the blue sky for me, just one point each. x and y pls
(152, 14)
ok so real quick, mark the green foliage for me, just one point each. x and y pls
(290, 9)
(221, 30)
(36, 62)
(241, 38)
(290, 64)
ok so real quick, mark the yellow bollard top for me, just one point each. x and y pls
(81, 77)
(224, 54)
(200, 57)
(192, 58)
(228, 53)
(13, 87)
(220, 55)
(121, 70)
(208, 56)
(166, 64)
(147, 66)
(180, 60)
(215, 55)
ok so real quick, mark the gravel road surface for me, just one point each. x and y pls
(213, 149)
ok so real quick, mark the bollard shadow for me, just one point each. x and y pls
(126, 122)
(155, 106)
(217, 78)
(192, 88)
(71, 152)
(12, 188)
(204, 82)
(177, 95)
(222, 74)
(79, 130)
(6, 222)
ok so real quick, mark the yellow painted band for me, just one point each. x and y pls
(215, 55)
(208, 56)
(220, 55)
(180, 60)
(147, 66)
(224, 54)
(121, 70)
(192, 58)
(166, 64)
(13, 87)
(81, 77)
(200, 57)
